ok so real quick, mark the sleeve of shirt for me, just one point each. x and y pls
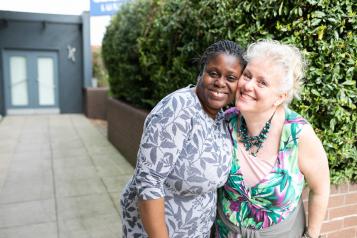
(165, 131)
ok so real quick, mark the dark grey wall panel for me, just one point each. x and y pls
(87, 52)
(2, 95)
(36, 32)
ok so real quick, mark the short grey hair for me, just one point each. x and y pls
(288, 58)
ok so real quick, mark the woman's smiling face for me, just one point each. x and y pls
(218, 84)
(259, 87)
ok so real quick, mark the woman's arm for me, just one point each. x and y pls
(152, 214)
(314, 165)
(161, 144)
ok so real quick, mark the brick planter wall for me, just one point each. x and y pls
(95, 103)
(341, 216)
(125, 126)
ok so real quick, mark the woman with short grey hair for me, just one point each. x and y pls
(275, 151)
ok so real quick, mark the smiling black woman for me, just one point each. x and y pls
(184, 154)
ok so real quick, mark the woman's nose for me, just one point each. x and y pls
(219, 82)
(249, 85)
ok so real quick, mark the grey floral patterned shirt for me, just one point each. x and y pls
(184, 156)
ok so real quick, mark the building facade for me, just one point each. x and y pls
(45, 62)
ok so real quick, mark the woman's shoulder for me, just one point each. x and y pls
(294, 125)
(293, 117)
(177, 108)
(231, 114)
(177, 101)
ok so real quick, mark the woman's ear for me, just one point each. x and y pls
(199, 77)
(281, 99)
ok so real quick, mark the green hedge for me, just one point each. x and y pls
(121, 53)
(150, 50)
(98, 69)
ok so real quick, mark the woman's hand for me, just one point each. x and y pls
(152, 214)
(314, 165)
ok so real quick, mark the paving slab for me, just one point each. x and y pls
(41, 230)
(105, 226)
(59, 178)
(27, 213)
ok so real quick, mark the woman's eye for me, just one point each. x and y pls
(263, 83)
(231, 78)
(246, 77)
(213, 74)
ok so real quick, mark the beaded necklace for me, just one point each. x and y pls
(250, 141)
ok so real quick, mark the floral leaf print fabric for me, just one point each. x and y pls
(276, 196)
(184, 156)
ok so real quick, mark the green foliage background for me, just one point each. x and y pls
(98, 69)
(151, 47)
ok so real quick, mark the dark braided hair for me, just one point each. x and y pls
(221, 47)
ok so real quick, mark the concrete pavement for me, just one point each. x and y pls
(59, 178)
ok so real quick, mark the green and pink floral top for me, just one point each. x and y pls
(276, 195)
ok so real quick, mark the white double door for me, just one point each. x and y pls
(31, 81)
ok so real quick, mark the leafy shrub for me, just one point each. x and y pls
(174, 42)
(121, 52)
(167, 44)
(98, 68)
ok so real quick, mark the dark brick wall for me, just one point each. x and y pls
(95, 105)
(125, 126)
